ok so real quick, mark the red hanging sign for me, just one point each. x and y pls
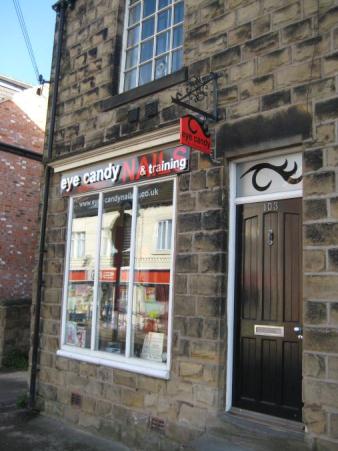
(193, 134)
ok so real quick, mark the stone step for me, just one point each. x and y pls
(251, 432)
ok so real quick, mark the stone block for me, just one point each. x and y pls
(321, 287)
(315, 312)
(334, 207)
(297, 31)
(298, 73)
(211, 328)
(181, 284)
(332, 367)
(261, 25)
(223, 23)
(211, 262)
(186, 202)
(313, 160)
(314, 365)
(192, 416)
(184, 242)
(276, 100)
(198, 180)
(314, 260)
(228, 95)
(242, 71)
(319, 183)
(287, 14)
(186, 263)
(185, 305)
(315, 209)
(206, 284)
(321, 234)
(332, 156)
(205, 395)
(334, 313)
(333, 259)
(189, 222)
(328, 20)
(244, 108)
(257, 86)
(273, 60)
(315, 418)
(132, 398)
(326, 110)
(209, 199)
(325, 133)
(194, 327)
(259, 46)
(321, 340)
(311, 48)
(124, 378)
(239, 34)
(226, 58)
(213, 219)
(209, 306)
(330, 64)
(317, 89)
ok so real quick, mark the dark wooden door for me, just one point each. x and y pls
(267, 350)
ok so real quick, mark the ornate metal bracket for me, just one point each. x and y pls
(196, 89)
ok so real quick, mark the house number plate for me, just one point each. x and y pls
(269, 331)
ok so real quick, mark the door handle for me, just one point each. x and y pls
(270, 237)
(298, 330)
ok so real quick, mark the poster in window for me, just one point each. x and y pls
(153, 346)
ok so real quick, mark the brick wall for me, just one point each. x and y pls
(279, 63)
(19, 203)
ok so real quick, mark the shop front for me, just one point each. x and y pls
(118, 284)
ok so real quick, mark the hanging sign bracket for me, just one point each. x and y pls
(196, 90)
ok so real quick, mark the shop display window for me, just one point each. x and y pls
(117, 297)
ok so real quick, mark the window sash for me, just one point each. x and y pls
(128, 362)
(168, 52)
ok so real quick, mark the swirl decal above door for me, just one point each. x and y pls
(281, 170)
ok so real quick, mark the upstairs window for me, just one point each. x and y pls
(153, 41)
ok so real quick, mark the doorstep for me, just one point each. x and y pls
(241, 430)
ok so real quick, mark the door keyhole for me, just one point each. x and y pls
(270, 237)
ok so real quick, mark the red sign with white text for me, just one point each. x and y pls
(192, 134)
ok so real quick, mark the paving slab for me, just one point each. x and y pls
(12, 385)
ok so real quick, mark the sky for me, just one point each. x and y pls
(14, 57)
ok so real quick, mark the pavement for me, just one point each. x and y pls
(25, 430)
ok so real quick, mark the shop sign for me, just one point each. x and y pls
(193, 134)
(129, 170)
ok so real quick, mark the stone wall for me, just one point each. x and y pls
(279, 64)
(15, 320)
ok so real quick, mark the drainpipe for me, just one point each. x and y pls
(60, 8)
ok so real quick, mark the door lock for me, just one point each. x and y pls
(298, 330)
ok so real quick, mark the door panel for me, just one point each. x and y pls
(268, 367)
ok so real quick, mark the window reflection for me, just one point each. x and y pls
(81, 273)
(152, 274)
(114, 271)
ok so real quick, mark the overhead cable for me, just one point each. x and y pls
(26, 38)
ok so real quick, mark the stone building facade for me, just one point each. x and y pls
(277, 97)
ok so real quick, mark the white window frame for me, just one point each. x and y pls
(126, 362)
(154, 57)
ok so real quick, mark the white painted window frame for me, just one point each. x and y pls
(232, 261)
(154, 57)
(128, 363)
